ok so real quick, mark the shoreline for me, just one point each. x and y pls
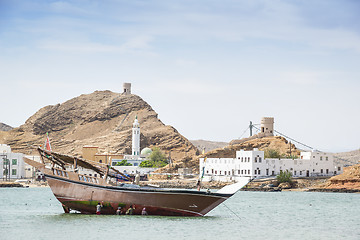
(23, 185)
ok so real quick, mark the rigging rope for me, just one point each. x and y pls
(293, 140)
(232, 211)
(335, 157)
(288, 138)
(244, 132)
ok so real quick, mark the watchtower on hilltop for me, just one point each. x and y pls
(127, 88)
(267, 126)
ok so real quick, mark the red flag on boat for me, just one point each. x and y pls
(47, 142)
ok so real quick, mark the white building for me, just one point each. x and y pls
(12, 165)
(252, 164)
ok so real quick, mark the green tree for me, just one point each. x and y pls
(156, 159)
(289, 156)
(271, 153)
(123, 163)
(146, 164)
(284, 177)
(157, 155)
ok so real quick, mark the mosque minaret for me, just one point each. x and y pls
(136, 138)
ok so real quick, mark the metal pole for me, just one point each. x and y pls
(290, 148)
(251, 126)
(6, 172)
(9, 169)
(3, 168)
(170, 163)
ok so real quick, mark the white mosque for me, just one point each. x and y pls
(134, 159)
(136, 156)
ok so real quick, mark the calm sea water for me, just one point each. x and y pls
(34, 213)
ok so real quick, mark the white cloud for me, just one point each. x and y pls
(67, 8)
(138, 42)
(241, 59)
(135, 44)
(230, 21)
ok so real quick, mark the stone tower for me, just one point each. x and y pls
(127, 88)
(267, 126)
(136, 138)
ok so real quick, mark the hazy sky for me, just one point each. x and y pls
(206, 67)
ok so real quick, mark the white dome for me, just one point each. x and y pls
(146, 151)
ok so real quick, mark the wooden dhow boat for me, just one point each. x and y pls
(82, 192)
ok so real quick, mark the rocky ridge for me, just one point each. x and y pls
(274, 142)
(102, 119)
(208, 145)
(4, 127)
(347, 158)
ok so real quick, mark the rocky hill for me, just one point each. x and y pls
(4, 127)
(349, 179)
(274, 142)
(102, 119)
(347, 158)
(208, 145)
(105, 118)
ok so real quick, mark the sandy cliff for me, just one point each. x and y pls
(349, 179)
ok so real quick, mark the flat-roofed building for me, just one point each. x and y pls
(253, 164)
(12, 164)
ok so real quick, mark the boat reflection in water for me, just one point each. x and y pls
(82, 193)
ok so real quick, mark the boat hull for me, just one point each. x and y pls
(84, 197)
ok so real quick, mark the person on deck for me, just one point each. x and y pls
(198, 184)
(144, 212)
(137, 178)
(98, 208)
(118, 211)
(130, 211)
